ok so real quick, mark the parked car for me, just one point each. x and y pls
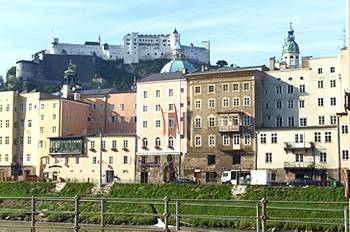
(301, 181)
(184, 181)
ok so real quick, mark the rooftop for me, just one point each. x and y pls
(163, 77)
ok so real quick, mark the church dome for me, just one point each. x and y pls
(290, 47)
(177, 65)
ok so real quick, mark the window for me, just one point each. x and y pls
(171, 107)
(278, 89)
(211, 88)
(320, 120)
(211, 140)
(110, 160)
(66, 160)
(291, 121)
(29, 157)
(320, 84)
(211, 121)
(7, 140)
(197, 89)
(317, 137)
(290, 104)
(157, 107)
(225, 88)
(29, 140)
(157, 142)
(328, 137)
(323, 157)
(145, 94)
(144, 108)
(235, 87)
(122, 107)
(94, 160)
(103, 144)
(29, 123)
(197, 122)
(114, 143)
(345, 154)
(225, 140)
(197, 104)
(279, 122)
(301, 103)
(211, 159)
(236, 159)
(157, 93)
(8, 107)
(303, 121)
(279, 104)
(344, 129)
(333, 83)
(246, 101)
(332, 70)
(246, 120)
(333, 119)
(319, 70)
(268, 157)
(290, 88)
(235, 101)
(92, 145)
(197, 141)
(171, 123)
(225, 102)
(170, 141)
(236, 139)
(211, 103)
(157, 159)
(0, 123)
(0, 140)
(299, 158)
(125, 143)
(333, 101)
(302, 88)
(246, 86)
(171, 92)
(274, 138)
(30, 107)
(7, 123)
(143, 159)
(144, 124)
(263, 138)
(157, 123)
(77, 160)
(247, 139)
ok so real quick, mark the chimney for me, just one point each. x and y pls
(184, 71)
(283, 65)
(204, 67)
(272, 63)
(77, 96)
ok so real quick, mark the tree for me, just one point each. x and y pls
(221, 63)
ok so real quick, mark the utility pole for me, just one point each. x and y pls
(100, 162)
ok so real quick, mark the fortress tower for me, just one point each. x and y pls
(290, 50)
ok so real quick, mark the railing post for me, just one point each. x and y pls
(177, 212)
(76, 213)
(257, 217)
(166, 214)
(263, 215)
(103, 207)
(346, 221)
(32, 216)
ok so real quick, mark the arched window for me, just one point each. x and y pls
(211, 121)
(197, 122)
(197, 141)
(144, 142)
(170, 141)
(157, 142)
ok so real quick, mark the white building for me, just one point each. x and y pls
(135, 47)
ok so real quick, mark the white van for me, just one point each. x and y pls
(242, 177)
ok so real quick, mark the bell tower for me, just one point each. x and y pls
(290, 50)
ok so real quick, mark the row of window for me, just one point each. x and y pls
(225, 102)
(290, 104)
(299, 157)
(232, 120)
(157, 123)
(102, 106)
(158, 93)
(291, 122)
(157, 142)
(226, 140)
(299, 137)
(211, 88)
(302, 88)
(113, 145)
(171, 107)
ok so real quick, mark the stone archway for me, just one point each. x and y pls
(169, 171)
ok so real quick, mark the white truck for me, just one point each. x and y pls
(246, 177)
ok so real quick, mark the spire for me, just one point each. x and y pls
(99, 39)
(175, 31)
(290, 32)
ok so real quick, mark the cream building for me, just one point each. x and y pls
(78, 158)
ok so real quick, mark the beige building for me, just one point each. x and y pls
(85, 159)
(224, 112)
(161, 113)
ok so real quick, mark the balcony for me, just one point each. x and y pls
(303, 165)
(236, 148)
(66, 145)
(294, 147)
(232, 128)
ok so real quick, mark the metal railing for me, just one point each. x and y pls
(173, 214)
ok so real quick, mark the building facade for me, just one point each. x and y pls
(224, 111)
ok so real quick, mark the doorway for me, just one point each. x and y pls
(144, 177)
(110, 176)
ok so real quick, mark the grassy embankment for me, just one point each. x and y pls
(181, 192)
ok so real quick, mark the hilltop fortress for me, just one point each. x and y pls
(135, 47)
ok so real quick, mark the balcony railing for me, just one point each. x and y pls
(292, 146)
(232, 128)
(303, 165)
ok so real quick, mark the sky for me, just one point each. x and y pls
(242, 32)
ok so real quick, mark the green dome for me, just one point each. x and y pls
(177, 65)
(290, 47)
